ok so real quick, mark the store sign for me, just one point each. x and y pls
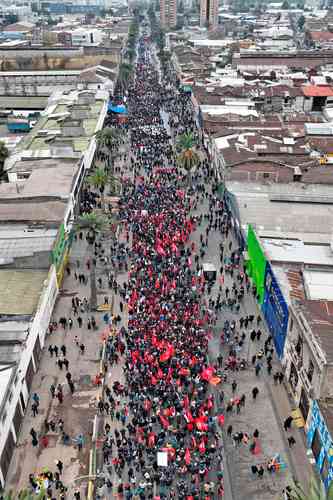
(275, 310)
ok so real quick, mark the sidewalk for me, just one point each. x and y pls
(77, 411)
(267, 413)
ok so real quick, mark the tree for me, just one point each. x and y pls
(285, 5)
(25, 495)
(317, 491)
(108, 137)
(98, 179)
(4, 153)
(94, 224)
(187, 158)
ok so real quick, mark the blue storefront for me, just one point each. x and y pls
(275, 310)
(319, 439)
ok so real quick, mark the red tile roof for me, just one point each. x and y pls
(317, 91)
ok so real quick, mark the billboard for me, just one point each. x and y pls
(256, 264)
(275, 310)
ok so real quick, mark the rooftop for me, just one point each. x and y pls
(42, 183)
(20, 291)
(292, 216)
(32, 211)
(24, 241)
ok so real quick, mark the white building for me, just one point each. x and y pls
(26, 304)
(86, 37)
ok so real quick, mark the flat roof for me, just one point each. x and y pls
(20, 102)
(32, 211)
(318, 284)
(295, 251)
(22, 242)
(42, 182)
(20, 291)
(256, 207)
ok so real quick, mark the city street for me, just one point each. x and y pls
(170, 330)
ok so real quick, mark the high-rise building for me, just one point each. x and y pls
(209, 14)
(168, 13)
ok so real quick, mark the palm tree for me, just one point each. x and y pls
(99, 179)
(94, 224)
(187, 158)
(316, 488)
(108, 137)
(4, 153)
(25, 495)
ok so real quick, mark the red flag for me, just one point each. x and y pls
(187, 457)
(220, 419)
(164, 422)
(207, 373)
(202, 447)
(151, 440)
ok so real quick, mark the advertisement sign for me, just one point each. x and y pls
(275, 310)
(318, 434)
(59, 248)
(256, 265)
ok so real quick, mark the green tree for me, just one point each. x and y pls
(108, 137)
(98, 179)
(187, 157)
(25, 495)
(317, 491)
(93, 224)
(4, 153)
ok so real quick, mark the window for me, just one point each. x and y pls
(310, 370)
(3, 418)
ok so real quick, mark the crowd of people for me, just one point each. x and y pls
(171, 413)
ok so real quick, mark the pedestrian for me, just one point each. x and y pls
(71, 386)
(287, 423)
(60, 466)
(34, 408)
(234, 386)
(291, 441)
(255, 392)
(52, 390)
(33, 433)
(79, 320)
(82, 348)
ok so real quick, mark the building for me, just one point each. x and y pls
(319, 439)
(27, 298)
(209, 14)
(168, 13)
